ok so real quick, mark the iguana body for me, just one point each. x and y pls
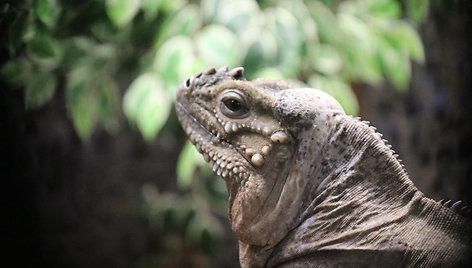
(310, 186)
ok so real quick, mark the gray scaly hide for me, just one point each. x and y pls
(310, 186)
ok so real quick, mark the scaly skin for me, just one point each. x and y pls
(310, 186)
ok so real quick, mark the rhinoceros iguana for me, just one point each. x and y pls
(310, 186)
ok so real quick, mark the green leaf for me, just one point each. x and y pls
(40, 89)
(121, 12)
(48, 12)
(105, 31)
(262, 52)
(81, 99)
(189, 159)
(396, 65)
(305, 23)
(81, 79)
(151, 7)
(17, 70)
(210, 9)
(21, 30)
(288, 34)
(363, 65)
(285, 27)
(338, 90)
(44, 51)
(383, 8)
(417, 9)
(238, 16)
(356, 30)
(327, 60)
(411, 41)
(269, 73)
(84, 116)
(174, 61)
(75, 50)
(186, 22)
(326, 22)
(218, 46)
(360, 48)
(146, 104)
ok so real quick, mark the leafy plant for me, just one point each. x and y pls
(128, 56)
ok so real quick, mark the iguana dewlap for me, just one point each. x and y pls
(310, 186)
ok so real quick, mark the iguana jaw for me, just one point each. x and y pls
(250, 153)
(226, 160)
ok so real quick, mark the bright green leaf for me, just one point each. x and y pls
(357, 31)
(80, 80)
(40, 89)
(383, 8)
(417, 9)
(337, 89)
(121, 12)
(262, 51)
(285, 27)
(269, 73)
(410, 39)
(218, 46)
(189, 159)
(151, 7)
(185, 22)
(81, 99)
(327, 60)
(238, 16)
(84, 115)
(48, 11)
(359, 48)
(396, 66)
(363, 65)
(289, 36)
(326, 22)
(306, 24)
(174, 61)
(146, 104)
(210, 9)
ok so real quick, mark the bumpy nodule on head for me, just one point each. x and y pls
(245, 131)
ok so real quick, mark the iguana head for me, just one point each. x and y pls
(249, 132)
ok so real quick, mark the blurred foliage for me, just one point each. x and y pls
(115, 57)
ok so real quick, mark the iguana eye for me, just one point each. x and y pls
(233, 105)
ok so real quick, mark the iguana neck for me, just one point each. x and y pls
(355, 190)
(364, 202)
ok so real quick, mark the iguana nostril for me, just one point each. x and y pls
(187, 83)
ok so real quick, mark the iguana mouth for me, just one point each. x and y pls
(227, 165)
